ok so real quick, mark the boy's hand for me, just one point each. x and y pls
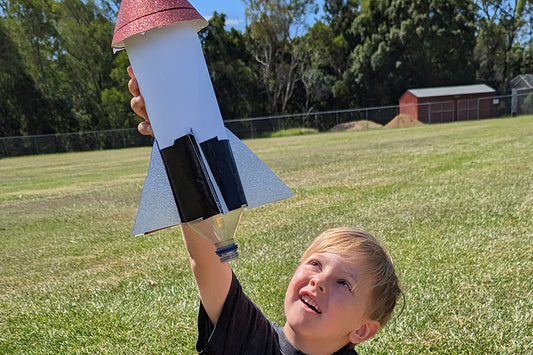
(137, 105)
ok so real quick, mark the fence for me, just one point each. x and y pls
(520, 103)
(71, 142)
(321, 121)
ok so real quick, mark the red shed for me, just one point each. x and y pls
(452, 103)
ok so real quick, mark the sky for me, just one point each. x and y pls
(234, 10)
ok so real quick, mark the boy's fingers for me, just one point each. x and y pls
(145, 128)
(133, 86)
(137, 105)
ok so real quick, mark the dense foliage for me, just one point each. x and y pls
(59, 74)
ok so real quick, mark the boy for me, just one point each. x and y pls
(341, 294)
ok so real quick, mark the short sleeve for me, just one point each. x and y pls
(242, 328)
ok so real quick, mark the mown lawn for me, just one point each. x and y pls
(452, 202)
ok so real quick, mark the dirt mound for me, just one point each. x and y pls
(355, 126)
(403, 121)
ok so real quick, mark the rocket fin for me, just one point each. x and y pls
(260, 184)
(157, 208)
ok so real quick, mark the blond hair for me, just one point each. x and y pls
(355, 245)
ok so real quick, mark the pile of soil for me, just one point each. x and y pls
(355, 126)
(403, 121)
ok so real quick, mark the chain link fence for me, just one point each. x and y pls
(520, 103)
(71, 142)
(321, 121)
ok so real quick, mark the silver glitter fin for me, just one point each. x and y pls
(260, 184)
(157, 208)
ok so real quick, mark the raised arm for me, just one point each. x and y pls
(213, 278)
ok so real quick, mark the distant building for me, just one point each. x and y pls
(521, 88)
(452, 103)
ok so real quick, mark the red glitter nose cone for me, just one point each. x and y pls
(137, 16)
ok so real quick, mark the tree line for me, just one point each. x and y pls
(58, 72)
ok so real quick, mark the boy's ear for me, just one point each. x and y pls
(366, 331)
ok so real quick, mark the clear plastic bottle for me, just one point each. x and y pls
(220, 230)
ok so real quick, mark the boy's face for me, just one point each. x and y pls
(327, 299)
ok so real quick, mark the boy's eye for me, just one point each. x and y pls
(315, 263)
(345, 284)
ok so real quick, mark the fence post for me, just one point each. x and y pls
(124, 143)
(5, 147)
(36, 144)
(514, 103)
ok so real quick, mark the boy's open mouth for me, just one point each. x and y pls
(310, 303)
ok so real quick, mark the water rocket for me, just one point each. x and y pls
(198, 169)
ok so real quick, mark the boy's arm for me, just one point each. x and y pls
(213, 278)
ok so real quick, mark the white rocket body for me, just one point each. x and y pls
(170, 67)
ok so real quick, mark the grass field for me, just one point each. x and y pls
(452, 202)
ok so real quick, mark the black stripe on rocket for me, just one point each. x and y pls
(193, 190)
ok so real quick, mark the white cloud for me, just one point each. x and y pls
(230, 22)
(234, 22)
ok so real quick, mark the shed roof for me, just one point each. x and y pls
(452, 90)
(522, 81)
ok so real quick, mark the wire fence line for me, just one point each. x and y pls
(71, 142)
(435, 112)
(321, 121)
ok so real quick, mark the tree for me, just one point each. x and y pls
(87, 58)
(31, 25)
(21, 104)
(406, 44)
(321, 53)
(339, 16)
(498, 47)
(272, 27)
(232, 68)
(116, 98)
(66, 51)
(527, 56)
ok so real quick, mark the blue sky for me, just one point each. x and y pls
(234, 10)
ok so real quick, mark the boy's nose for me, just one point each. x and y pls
(317, 283)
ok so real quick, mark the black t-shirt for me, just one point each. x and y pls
(243, 329)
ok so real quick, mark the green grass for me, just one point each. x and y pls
(452, 202)
(290, 132)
